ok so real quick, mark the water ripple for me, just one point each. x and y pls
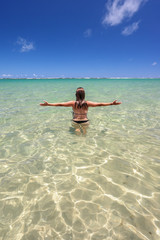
(56, 185)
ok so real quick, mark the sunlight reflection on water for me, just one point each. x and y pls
(56, 185)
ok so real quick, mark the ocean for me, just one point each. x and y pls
(56, 185)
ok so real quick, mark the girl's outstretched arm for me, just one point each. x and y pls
(65, 104)
(94, 104)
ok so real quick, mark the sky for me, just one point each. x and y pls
(79, 38)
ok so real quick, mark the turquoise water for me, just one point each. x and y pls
(57, 185)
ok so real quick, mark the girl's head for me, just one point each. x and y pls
(80, 94)
(80, 98)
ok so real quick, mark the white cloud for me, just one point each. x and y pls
(154, 63)
(6, 75)
(25, 46)
(88, 33)
(35, 75)
(130, 29)
(118, 10)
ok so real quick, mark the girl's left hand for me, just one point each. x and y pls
(44, 104)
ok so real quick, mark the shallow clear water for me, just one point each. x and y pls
(57, 185)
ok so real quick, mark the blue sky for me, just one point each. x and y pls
(82, 38)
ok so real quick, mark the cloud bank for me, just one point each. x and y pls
(130, 29)
(6, 75)
(118, 10)
(24, 45)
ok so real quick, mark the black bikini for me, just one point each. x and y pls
(80, 121)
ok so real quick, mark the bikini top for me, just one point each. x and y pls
(79, 114)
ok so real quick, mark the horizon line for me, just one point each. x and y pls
(31, 78)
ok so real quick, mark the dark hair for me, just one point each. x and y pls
(80, 98)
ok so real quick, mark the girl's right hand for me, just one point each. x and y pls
(44, 104)
(115, 102)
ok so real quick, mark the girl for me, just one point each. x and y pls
(80, 109)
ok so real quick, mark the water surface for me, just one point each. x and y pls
(57, 185)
